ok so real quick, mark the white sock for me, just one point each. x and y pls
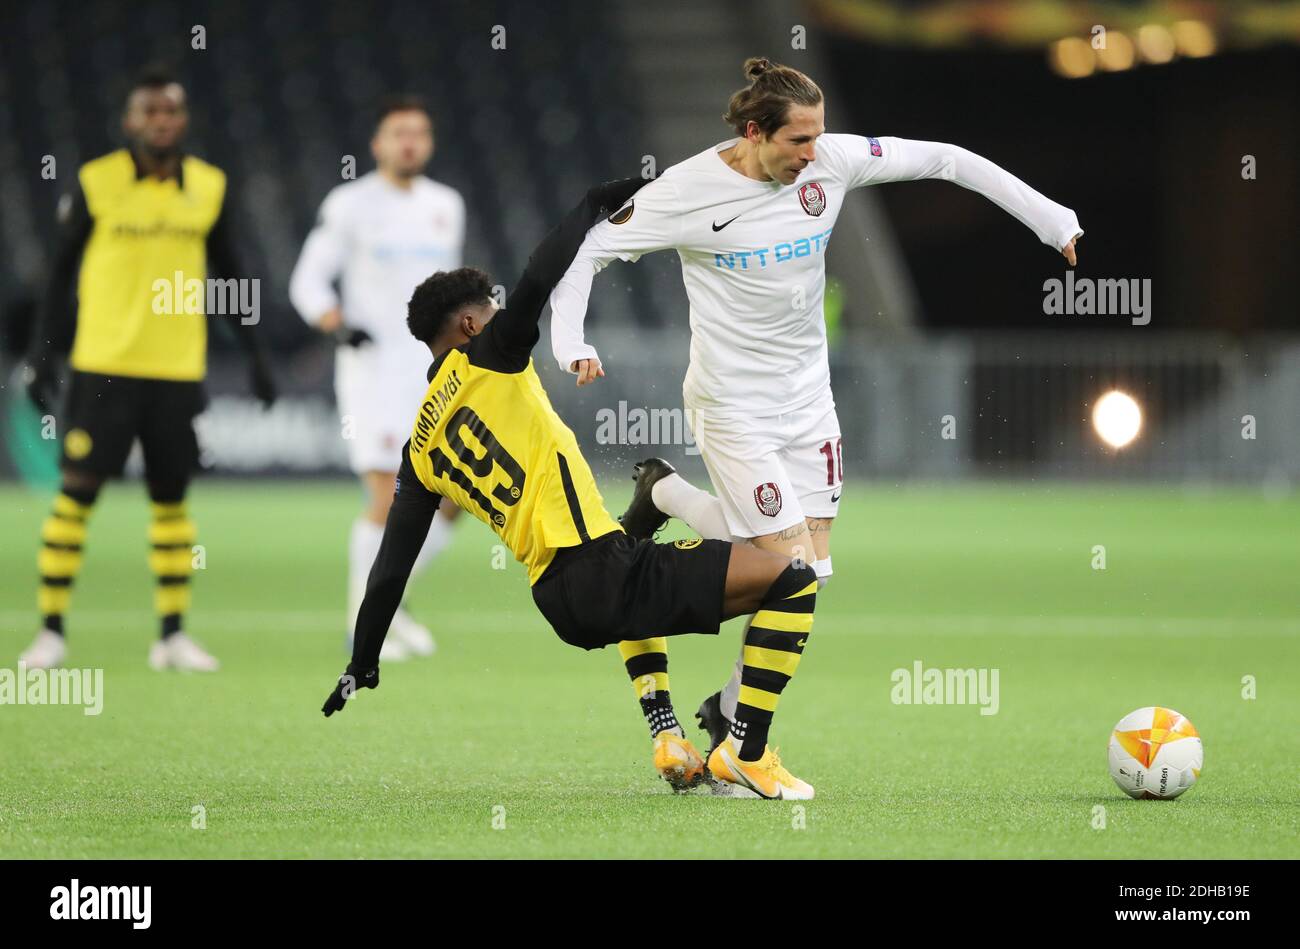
(731, 691)
(702, 513)
(823, 570)
(440, 532)
(363, 546)
(699, 510)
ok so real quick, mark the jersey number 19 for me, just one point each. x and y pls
(480, 468)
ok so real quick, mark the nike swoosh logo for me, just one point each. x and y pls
(734, 767)
(718, 227)
(835, 497)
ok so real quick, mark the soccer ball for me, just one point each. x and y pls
(1155, 753)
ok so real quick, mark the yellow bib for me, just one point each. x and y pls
(146, 249)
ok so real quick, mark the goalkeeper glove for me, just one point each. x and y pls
(260, 379)
(608, 197)
(350, 336)
(42, 384)
(351, 680)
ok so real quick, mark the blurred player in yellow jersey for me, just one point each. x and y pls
(487, 439)
(148, 223)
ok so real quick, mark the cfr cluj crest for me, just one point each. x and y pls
(813, 198)
(768, 498)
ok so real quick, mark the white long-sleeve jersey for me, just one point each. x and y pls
(753, 259)
(380, 242)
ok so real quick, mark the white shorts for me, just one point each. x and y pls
(377, 407)
(771, 473)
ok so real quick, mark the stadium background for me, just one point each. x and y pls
(939, 309)
(968, 551)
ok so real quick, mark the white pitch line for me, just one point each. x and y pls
(324, 621)
(1074, 625)
(330, 621)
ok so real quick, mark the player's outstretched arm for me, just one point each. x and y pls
(911, 160)
(650, 222)
(514, 330)
(569, 303)
(409, 518)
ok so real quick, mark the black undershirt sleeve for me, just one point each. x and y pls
(508, 341)
(413, 510)
(223, 260)
(57, 320)
(223, 263)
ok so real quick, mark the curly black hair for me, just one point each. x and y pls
(435, 301)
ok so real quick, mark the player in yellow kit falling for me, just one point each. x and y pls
(487, 438)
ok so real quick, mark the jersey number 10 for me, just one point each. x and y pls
(834, 461)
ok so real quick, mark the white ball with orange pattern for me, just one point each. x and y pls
(1155, 753)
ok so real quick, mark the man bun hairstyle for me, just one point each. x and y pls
(772, 90)
(441, 297)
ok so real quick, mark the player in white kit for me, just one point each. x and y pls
(750, 219)
(380, 236)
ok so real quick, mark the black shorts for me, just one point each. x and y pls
(106, 414)
(617, 588)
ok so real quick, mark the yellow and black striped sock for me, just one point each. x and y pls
(774, 642)
(63, 535)
(646, 661)
(171, 542)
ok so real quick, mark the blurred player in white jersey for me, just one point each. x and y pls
(380, 236)
(750, 219)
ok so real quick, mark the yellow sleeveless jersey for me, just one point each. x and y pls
(148, 241)
(491, 442)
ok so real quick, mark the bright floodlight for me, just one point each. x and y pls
(1117, 418)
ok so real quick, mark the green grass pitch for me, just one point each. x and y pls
(508, 726)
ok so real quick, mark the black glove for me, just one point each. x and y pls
(355, 678)
(42, 383)
(609, 197)
(261, 381)
(350, 336)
